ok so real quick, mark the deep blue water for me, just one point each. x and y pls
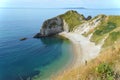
(23, 59)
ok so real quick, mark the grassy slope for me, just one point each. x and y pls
(107, 65)
(105, 28)
(73, 19)
(113, 38)
(101, 18)
(104, 67)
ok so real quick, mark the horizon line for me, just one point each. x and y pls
(52, 8)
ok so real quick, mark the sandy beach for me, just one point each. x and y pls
(84, 50)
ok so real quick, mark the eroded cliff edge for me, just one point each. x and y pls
(65, 22)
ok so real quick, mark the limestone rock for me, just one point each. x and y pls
(50, 27)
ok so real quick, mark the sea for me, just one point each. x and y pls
(35, 59)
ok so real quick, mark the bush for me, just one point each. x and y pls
(105, 71)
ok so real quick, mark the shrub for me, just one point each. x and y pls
(105, 71)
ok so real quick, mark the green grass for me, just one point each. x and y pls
(73, 19)
(106, 27)
(105, 72)
(107, 65)
(112, 38)
(115, 19)
(99, 17)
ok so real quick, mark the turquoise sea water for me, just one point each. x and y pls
(34, 57)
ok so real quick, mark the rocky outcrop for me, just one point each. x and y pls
(88, 25)
(22, 39)
(50, 27)
(65, 22)
(88, 18)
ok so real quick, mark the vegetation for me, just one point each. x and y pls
(107, 26)
(107, 65)
(105, 71)
(73, 19)
(113, 37)
(96, 19)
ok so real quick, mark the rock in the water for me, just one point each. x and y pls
(39, 35)
(22, 39)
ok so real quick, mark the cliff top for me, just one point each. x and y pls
(72, 18)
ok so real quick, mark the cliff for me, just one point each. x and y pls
(98, 29)
(50, 27)
(65, 22)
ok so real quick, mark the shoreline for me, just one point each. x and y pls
(76, 48)
(63, 63)
(66, 66)
(83, 49)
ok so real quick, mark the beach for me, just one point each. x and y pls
(54, 56)
(84, 50)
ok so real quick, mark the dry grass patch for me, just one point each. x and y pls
(110, 57)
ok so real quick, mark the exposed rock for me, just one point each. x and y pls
(65, 26)
(38, 35)
(88, 18)
(88, 26)
(50, 27)
(22, 39)
(65, 22)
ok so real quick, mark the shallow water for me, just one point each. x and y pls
(42, 57)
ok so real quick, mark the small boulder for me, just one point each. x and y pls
(88, 18)
(22, 39)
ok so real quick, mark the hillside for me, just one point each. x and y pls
(64, 22)
(101, 30)
(99, 37)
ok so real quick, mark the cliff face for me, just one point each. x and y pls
(65, 22)
(51, 27)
